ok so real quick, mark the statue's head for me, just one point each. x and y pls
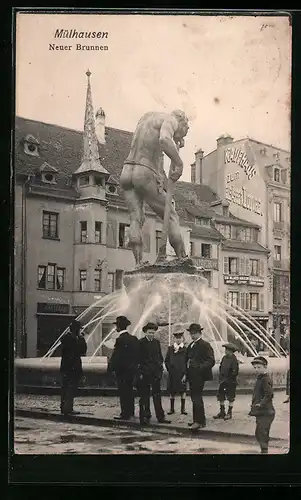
(183, 126)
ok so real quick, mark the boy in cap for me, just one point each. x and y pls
(262, 403)
(150, 373)
(124, 362)
(73, 347)
(228, 372)
(175, 362)
(199, 363)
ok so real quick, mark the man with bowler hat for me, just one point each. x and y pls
(199, 363)
(124, 363)
(150, 373)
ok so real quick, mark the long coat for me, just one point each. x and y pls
(262, 395)
(199, 361)
(150, 358)
(175, 363)
(73, 347)
(124, 359)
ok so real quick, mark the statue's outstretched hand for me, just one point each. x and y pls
(176, 171)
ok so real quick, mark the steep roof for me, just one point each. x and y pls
(243, 245)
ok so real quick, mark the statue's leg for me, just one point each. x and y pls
(156, 200)
(137, 217)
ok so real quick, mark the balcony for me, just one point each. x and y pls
(207, 264)
(283, 264)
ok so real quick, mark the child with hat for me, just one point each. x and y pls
(175, 362)
(262, 403)
(228, 372)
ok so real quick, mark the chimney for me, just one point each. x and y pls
(100, 121)
(196, 167)
(223, 140)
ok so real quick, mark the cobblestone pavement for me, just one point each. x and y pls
(43, 437)
(108, 407)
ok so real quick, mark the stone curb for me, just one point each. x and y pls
(159, 428)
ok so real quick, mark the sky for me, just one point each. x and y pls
(229, 74)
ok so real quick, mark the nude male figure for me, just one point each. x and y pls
(143, 178)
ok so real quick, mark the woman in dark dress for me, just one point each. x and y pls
(175, 362)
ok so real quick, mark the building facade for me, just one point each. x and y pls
(255, 180)
(71, 232)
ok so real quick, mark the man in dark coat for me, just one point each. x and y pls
(73, 347)
(262, 403)
(150, 373)
(199, 363)
(124, 363)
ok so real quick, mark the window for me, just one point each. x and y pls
(254, 301)
(98, 181)
(276, 175)
(60, 278)
(97, 280)
(158, 240)
(42, 276)
(241, 234)
(192, 249)
(50, 277)
(277, 252)
(119, 279)
(123, 235)
(111, 282)
(201, 221)
(84, 181)
(83, 231)
(206, 251)
(112, 189)
(50, 225)
(254, 267)
(225, 229)
(248, 234)
(208, 276)
(48, 178)
(31, 145)
(254, 233)
(82, 280)
(233, 267)
(277, 212)
(97, 231)
(284, 176)
(233, 299)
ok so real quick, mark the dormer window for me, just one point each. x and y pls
(98, 180)
(31, 145)
(48, 173)
(201, 221)
(276, 174)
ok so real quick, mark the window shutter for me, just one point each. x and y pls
(238, 264)
(261, 266)
(242, 266)
(226, 265)
(247, 301)
(261, 302)
(248, 267)
(242, 300)
(146, 242)
(226, 298)
(111, 233)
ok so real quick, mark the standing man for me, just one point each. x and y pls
(124, 363)
(199, 363)
(73, 347)
(150, 374)
(143, 178)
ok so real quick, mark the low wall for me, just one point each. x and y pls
(44, 373)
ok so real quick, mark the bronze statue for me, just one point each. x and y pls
(143, 178)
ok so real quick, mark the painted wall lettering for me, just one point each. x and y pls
(242, 198)
(237, 155)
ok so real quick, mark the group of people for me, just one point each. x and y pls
(139, 363)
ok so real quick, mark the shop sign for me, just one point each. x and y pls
(51, 308)
(243, 280)
(205, 263)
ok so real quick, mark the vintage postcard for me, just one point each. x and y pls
(152, 233)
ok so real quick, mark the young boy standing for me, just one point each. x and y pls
(228, 372)
(175, 362)
(262, 405)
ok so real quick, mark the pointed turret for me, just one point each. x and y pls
(90, 162)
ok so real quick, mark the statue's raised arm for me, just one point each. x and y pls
(141, 177)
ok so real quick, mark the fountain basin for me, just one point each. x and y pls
(37, 374)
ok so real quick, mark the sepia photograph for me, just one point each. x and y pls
(152, 167)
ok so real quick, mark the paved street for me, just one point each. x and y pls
(45, 436)
(33, 436)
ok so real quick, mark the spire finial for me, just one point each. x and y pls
(88, 73)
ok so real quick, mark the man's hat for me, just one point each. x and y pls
(150, 326)
(260, 360)
(75, 325)
(230, 346)
(122, 320)
(195, 327)
(177, 330)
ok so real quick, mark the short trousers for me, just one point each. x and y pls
(226, 391)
